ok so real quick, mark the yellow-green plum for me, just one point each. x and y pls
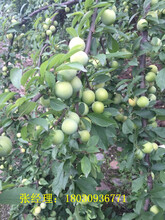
(68, 74)
(153, 69)
(152, 89)
(152, 97)
(154, 209)
(52, 28)
(108, 17)
(88, 97)
(101, 94)
(147, 148)
(98, 107)
(80, 57)
(139, 154)
(150, 77)
(76, 84)
(84, 135)
(5, 146)
(63, 90)
(86, 109)
(142, 25)
(58, 137)
(143, 102)
(155, 146)
(74, 116)
(77, 41)
(69, 126)
(117, 99)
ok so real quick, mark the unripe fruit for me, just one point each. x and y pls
(43, 205)
(154, 209)
(154, 2)
(48, 32)
(88, 97)
(150, 77)
(45, 27)
(18, 135)
(152, 97)
(58, 137)
(22, 150)
(45, 102)
(86, 109)
(154, 124)
(101, 94)
(84, 135)
(142, 25)
(76, 84)
(100, 85)
(6, 90)
(139, 154)
(152, 89)
(153, 14)
(156, 41)
(82, 124)
(152, 175)
(98, 107)
(5, 146)
(114, 64)
(4, 73)
(143, 102)
(36, 210)
(55, 23)
(132, 102)
(154, 68)
(119, 117)
(9, 36)
(152, 119)
(155, 146)
(148, 148)
(68, 74)
(4, 69)
(77, 41)
(48, 21)
(117, 99)
(63, 90)
(23, 181)
(74, 116)
(108, 17)
(69, 126)
(52, 28)
(80, 57)
(67, 9)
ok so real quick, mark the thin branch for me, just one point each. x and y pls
(104, 51)
(61, 117)
(38, 96)
(40, 56)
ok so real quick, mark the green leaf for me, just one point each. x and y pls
(101, 58)
(119, 55)
(86, 185)
(4, 97)
(26, 76)
(43, 68)
(26, 108)
(58, 180)
(88, 4)
(101, 79)
(160, 79)
(83, 21)
(139, 206)
(40, 121)
(93, 141)
(101, 120)
(112, 44)
(74, 65)
(54, 61)
(129, 216)
(85, 166)
(72, 31)
(158, 166)
(162, 176)
(57, 105)
(128, 127)
(15, 77)
(12, 196)
(137, 184)
(160, 131)
(130, 160)
(145, 114)
(50, 79)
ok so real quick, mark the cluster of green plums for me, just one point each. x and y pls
(48, 27)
